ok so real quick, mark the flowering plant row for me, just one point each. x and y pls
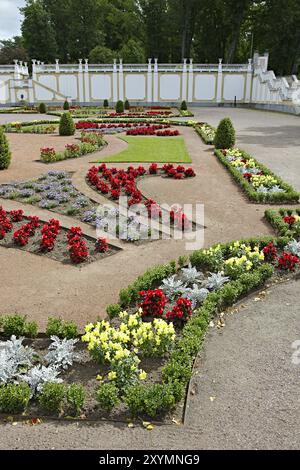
(90, 142)
(206, 132)
(116, 182)
(259, 183)
(153, 130)
(85, 125)
(286, 222)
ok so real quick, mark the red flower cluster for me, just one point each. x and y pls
(141, 114)
(153, 302)
(287, 262)
(21, 236)
(49, 234)
(178, 172)
(270, 252)
(48, 151)
(78, 249)
(153, 169)
(101, 245)
(5, 224)
(168, 133)
(290, 220)
(16, 216)
(182, 311)
(155, 129)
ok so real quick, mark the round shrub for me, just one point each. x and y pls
(126, 105)
(14, 398)
(225, 135)
(120, 107)
(66, 105)
(5, 153)
(108, 396)
(183, 106)
(66, 125)
(52, 396)
(42, 108)
(76, 398)
(105, 103)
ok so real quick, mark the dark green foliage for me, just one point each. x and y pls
(76, 398)
(52, 396)
(113, 310)
(61, 328)
(5, 153)
(225, 135)
(105, 104)
(18, 326)
(126, 105)
(14, 398)
(183, 106)
(66, 105)
(66, 125)
(120, 107)
(108, 396)
(42, 108)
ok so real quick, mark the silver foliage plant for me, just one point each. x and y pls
(39, 375)
(172, 287)
(196, 295)
(191, 275)
(61, 352)
(293, 247)
(13, 357)
(216, 281)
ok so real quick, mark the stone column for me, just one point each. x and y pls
(184, 81)
(149, 82)
(56, 65)
(121, 81)
(115, 94)
(191, 82)
(249, 78)
(81, 97)
(220, 81)
(87, 81)
(155, 82)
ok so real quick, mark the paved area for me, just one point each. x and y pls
(244, 393)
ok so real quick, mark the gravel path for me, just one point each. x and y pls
(244, 393)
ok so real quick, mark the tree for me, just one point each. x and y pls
(101, 55)
(38, 33)
(12, 49)
(66, 125)
(225, 135)
(133, 52)
(5, 153)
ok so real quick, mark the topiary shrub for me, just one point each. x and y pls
(120, 107)
(14, 398)
(105, 104)
(183, 106)
(42, 108)
(127, 105)
(66, 125)
(66, 105)
(225, 135)
(5, 153)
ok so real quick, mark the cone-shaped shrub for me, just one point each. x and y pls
(120, 107)
(42, 108)
(225, 135)
(126, 105)
(66, 105)
(66, 125)
(183, 106)
(105, 103)
(5, 154)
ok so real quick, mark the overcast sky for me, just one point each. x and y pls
(10, 18)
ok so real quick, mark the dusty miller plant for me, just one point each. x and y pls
(172, 287)
(191, 275)
(196, 295)
(293, 247)
(61, 352)
(13, 356)
(38, 376)
(216, 281)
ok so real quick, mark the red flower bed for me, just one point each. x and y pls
(78, 250)
(21, 236)
(5, 223)
(155, 129)
(182, 311)
(270, 252)
(49, 234)
(287, 262)
(16, 216)
(290, 220)
(153, 302)
(101, 245)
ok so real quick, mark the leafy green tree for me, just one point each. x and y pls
(66, 125)
(5, 153)
(101, 55)
(38, 32)
(225, 135)
(11, 49)
(133, 52)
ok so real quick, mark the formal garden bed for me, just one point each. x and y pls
(140, 362)
(286, 222)
(69, 246)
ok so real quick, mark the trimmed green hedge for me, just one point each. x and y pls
(289, 196)
(275, 218)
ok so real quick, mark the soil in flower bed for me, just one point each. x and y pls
(61, 248)
(84, 372)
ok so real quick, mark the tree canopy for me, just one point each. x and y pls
(169, 30)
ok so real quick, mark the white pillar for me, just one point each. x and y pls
(87, 81)
(33, 69)
(248, 82)
(149, 82)
(220, 82)
(115, 94)
(184, 81)
(80, 82)
(17, 70)
(155, 81)
(191, 82)
(56, 65)
(121, 81)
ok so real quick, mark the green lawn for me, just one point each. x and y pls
(151, 149)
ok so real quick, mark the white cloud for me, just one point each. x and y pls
(10, 18)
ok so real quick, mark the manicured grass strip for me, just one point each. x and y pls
(289, 196)
(152, 149)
